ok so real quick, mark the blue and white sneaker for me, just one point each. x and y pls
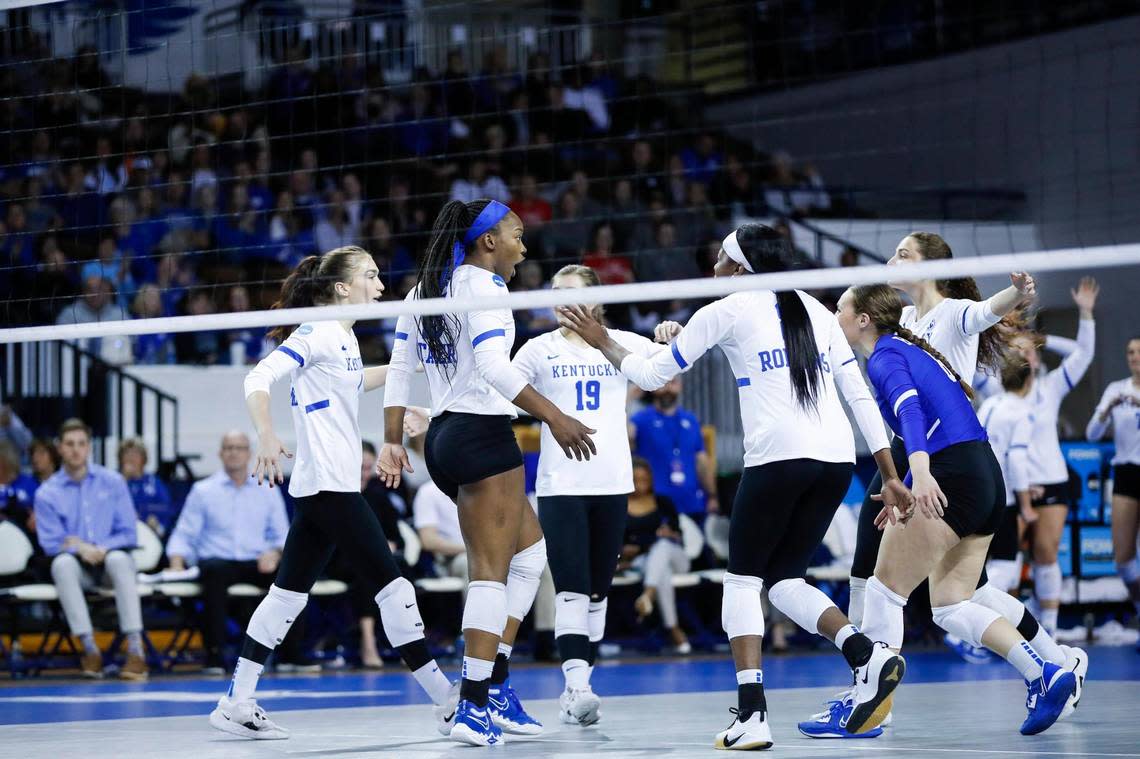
(507, 711)
(968, 651)
(474, 726)
(832, 722)
(1047, 698)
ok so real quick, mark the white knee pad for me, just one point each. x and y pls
(883, 614)
(1004, 574)
(571, 614)
(597, 619)
(802, 603)
(275, 615)
(1047, 581)
(524, 578)
(965, 619)
(486, 607)
(993, 597)
(399, 613)
(1129, 571)
(741, 612)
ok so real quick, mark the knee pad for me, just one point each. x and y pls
(486, 607)
(855, 602)
(1005, 574)
(1047, 581)
(883, 614)
(741, 612)
(596, 621)
(571, 614)
(1129, 571)
(993, 597)
(802, 603)
(524, 577)
(275, 615)
(399, 613)
(965, 619)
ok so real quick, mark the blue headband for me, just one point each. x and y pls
(491, 215)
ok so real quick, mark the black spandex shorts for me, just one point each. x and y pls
(1057, 494)
(970, 476)
(1004, 546)
(1126, 480)
(464, 448)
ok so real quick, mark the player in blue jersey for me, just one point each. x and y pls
(959, 497)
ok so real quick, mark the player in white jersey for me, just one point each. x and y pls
(1008, 421)
(327, 376)
(788, 354)
(1120, 408)
(582, 504)
(470, 450)
(1048, 472)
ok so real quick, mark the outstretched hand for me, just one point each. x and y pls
(268, 464)
(1024, 283)
(1085, 296)
(391, 464)
(580, 320)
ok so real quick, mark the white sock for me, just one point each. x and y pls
(844, 633)
(749, 677)
(1044, 644)
(590, 674)
(505, 650)
(883, 617)
(477, 669)
(434, 682)
(244, 683)
(1048, 619)
(577, 673)
(855, 604)
(1025, 660)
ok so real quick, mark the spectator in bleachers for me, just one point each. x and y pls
(644, 172)
(533, 321)
(335, 229)
(668, 260)
(85, 522)
(669, 438)
(199, 347)
(154, 348)
(612, 267)
(149, 493)
(653, 548)
(97, 305)
(40, 214)
(18, 247)
(288, 234)
(17, 491)
(234, 530)
(589, 208)
(392, 257)
(624, 212)
(52, 282)
(531, 208)
(44, 458)
(676, 185)
(436, 519)
(696, 220)
(146, 232)
(568, 235)
(14, 431)
(107, 176)
(242, 347)
(702, 161)
(111, 265)
(477, 183)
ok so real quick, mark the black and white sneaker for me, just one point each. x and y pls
(875, 684)
(245, 719)
(445, 713)
(753, 734)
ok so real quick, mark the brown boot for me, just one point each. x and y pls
(92, 664)
(134, 669)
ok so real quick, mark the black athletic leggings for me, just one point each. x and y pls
(780, 514)
(328, 520)
(583, 540)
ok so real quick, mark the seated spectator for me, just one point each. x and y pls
(335, 229)
(45, 459)
(153, 504)
(653, 548)
(53, 282)
(531, 207)
(85, 522)
(110, 264)
(670, 260)
(392, 257)
(612, 268)
(146, 232)
(153, 348)
(18, 247)
(234, 531)
(290, 238)
(242, 346)
(96, 304)
(199, 347)
(17, 492)
(703, 161)
(478, 184)
(534, 321)
(436, 519)
(568, 235)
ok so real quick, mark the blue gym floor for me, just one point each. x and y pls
(665, 706)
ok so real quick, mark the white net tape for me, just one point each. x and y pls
(1036, 262)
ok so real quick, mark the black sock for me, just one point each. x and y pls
(501, 670)
(857, 650)
(475, 691)
(750, 699)
(254, 651)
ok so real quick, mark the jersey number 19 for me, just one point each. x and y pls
(589, 395)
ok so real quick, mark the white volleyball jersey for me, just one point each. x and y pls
(1125, 421)
(476, 377)
(581, 382)
(952, 328)
(323, 362)
(746, 326)
(1008, 420)
(1046, 462)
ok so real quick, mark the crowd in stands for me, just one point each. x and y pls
(117, 203)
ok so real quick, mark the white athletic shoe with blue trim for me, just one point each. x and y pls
(474, 726)
(507, 711)
(968, 651)
(832, 722)
(1047, 698)
(445, 713)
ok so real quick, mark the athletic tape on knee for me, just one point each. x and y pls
(1047, 581)
(801, 602)
(399, 613)
(524, 578)
(571, 614)
(275, 615)
(883, 614)
(596, 620)
(1005, 574)
(1129, 571)
(855, 602)
(741, 611)
(965, 619)
(486, 607)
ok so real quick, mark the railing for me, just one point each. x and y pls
(48, 382)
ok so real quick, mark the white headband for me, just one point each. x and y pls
(732, 248)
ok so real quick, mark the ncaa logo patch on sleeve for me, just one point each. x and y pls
(304, 329)
(498, 280)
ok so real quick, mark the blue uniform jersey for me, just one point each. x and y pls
(919, 398)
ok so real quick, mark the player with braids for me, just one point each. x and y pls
(959, 500)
